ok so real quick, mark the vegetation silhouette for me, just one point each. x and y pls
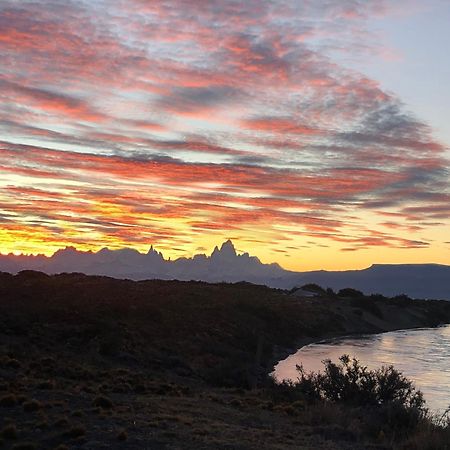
(89, 361)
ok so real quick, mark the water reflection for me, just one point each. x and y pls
(423, 355)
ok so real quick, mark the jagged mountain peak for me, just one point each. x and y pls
(228, 244)
(224, 264)
(66, 250)
(154, 255)
(228, 248)
(226, 251)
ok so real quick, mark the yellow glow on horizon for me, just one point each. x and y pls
(305, 260)
(95, 223)
(304, 257)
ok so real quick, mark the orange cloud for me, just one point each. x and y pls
(130, 124)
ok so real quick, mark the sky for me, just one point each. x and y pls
(311, 133)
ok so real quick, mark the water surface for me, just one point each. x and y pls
(423, 355)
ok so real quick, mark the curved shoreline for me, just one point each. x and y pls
(420, 354)
(282, 353)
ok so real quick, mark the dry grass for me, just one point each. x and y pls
(178, 373)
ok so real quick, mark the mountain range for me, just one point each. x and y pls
(225, 264)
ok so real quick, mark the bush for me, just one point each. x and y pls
(32, 406)
(122, 436)
(9, 432)
(351, 383)
(313, 287)
(285, 392)
(110, 344)
(8, 401)
(350, 293)
(402, 298)
(24, 446)
(368, 305)
(379, 402)
(103, 402)
(76, 431)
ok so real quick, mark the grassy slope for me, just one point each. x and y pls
(175, 360)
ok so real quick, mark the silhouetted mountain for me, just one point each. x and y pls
(225, 264)
(414, 280)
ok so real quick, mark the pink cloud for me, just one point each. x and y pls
(224, 107)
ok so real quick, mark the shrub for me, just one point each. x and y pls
(122, 436)
(62, 422)
(9, 432)
(24, 446)
(285, 392)
(368, 305)
(351, 383)
(46, 385)
(349, 292)
(103, 402)
(313, 287)
(8, 401)
(110, 344)
(402, 298)
(12, 363)
(76, 431)
(32, 406)
(380, 402)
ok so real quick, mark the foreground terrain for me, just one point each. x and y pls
(93, 362)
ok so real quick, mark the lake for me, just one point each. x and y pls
(422, 355)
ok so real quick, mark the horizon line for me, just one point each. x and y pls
(239, 253)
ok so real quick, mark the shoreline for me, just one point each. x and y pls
(374, 351)
(280, 354)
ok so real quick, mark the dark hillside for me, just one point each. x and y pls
(95, 362)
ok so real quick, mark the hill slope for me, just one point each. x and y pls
(95, 362)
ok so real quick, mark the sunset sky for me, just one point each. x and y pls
(313, 133)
